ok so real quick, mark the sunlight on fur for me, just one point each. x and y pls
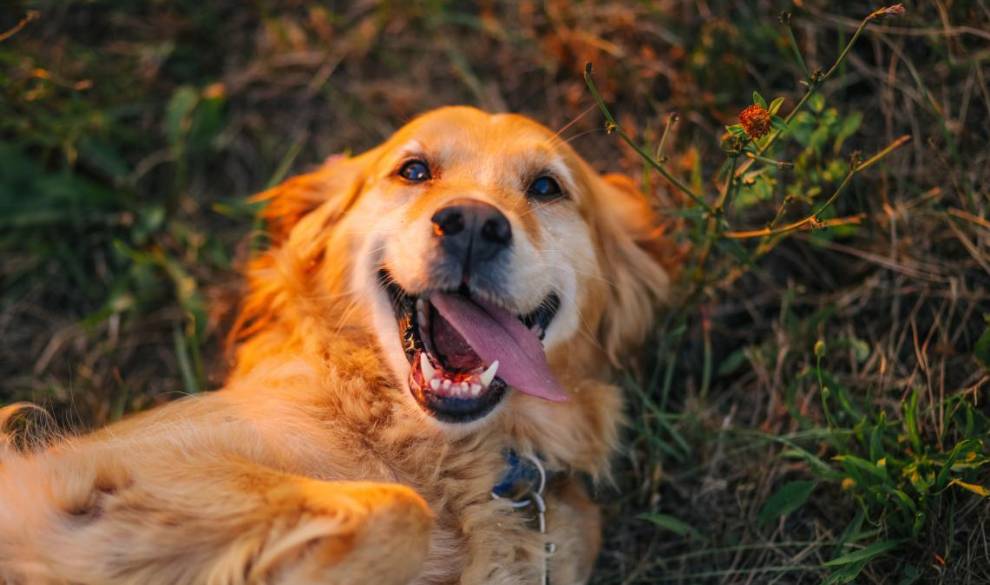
(366, 420)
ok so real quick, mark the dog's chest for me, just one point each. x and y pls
(478, 539)
(482, 545)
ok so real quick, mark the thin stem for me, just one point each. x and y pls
(30, 16)
(816, 80)
(806, 223)
(890, 148)
(769, 161)
(781, 211)
(859, 30)
(671, 120)
(786, 19)
(613, 126)
(812, 220)
(726, 195)
(714, 219)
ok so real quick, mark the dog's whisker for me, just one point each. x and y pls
(554, 139)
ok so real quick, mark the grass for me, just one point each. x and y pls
(813, 409)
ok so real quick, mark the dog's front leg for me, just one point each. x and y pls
(93, 519)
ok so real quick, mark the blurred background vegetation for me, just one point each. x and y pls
(814, 409)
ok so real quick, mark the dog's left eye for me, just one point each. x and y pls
(544, 189)
(415, 171)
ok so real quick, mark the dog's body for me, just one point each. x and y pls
(339, 451)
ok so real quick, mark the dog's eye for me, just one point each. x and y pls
(544, 189)
(415, 171)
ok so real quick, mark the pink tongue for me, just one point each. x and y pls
(495, 334)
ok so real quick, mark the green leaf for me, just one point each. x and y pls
(736, 130)
(911, 421)
(877, 451)
(733, 362)
(853, 531)
(758, 100)
(789, 497)
(668, 522)
(816, 102)
(818, 138)
(850, 124)
(966, 445)
(178, 115)
(851, 461)
(864, 554)
(861, 349)
(775, 106)
(904, 501)
(820, 468)
(845, 574)
(973, 487)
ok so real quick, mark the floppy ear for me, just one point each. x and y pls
(299, 214)
(637, 263)
(336, 184)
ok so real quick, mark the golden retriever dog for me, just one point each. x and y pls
(434, 318)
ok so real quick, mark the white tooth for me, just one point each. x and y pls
(475, 389)
(435, 383)
(488, 375)
(426, 367)
(446, 384)
(463, 388)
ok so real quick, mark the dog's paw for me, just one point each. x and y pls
(342, 533)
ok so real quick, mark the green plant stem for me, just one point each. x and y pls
(813, 218)
(777, 163)
(714, 217)
(814, 82)
(613, 126)
(726, 194)
(794, 48)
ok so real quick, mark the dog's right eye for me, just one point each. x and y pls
(415, 171)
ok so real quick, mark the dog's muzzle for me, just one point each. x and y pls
(472, 239)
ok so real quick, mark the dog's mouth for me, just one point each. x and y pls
(464, 352)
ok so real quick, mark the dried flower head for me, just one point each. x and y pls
(894, 10)
(755, 121)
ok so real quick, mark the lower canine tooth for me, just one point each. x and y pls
(488, 375)
(426, 367)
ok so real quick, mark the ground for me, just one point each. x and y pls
(813, 406)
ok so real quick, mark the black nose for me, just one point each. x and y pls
(472, 231)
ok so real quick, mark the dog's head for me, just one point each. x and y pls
(487, 257)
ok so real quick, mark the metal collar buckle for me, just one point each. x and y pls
(521, 473)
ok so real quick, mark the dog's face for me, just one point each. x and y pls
(486, 254)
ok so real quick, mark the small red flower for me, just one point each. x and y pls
(755, 121)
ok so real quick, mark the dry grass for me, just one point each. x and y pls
(132, 135)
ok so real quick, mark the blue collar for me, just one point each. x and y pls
(523, 477)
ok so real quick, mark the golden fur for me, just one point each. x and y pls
(313, 464)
